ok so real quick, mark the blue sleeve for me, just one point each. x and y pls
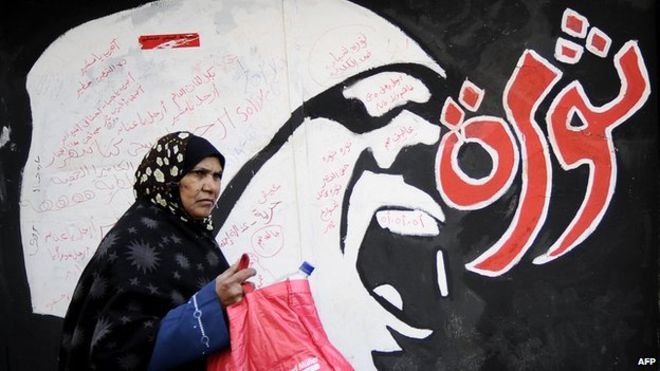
(190, 331)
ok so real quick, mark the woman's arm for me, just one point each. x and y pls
(191, 331)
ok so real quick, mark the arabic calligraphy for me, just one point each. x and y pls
(94, 58)
(350, 56)
(590, 144)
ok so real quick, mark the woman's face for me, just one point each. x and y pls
(200, 187)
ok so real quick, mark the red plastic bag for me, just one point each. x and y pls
(277, 328)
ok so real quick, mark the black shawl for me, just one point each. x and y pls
(152, 260)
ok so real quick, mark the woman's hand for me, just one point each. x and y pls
(229, 284)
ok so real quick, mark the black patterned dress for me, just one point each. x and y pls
(153, 260)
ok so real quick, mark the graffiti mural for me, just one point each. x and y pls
(455, 216)
(405, 132)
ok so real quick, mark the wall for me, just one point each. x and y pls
(475, 183)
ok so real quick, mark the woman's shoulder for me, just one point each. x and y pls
(136, 222)
(142, 214)
(145, 221)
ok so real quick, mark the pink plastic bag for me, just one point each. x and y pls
(277, 328)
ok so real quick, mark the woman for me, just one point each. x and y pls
(148, 298)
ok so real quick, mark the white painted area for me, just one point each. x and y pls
(405, 130)
(382, 92)
(408, 222)
(98, 102)
(389, 293)
(442, 273)
(4, 136)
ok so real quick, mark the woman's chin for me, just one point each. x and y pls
(201, 212)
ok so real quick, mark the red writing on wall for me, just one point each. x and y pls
(590, 144)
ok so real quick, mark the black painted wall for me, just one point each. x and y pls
(596, 310)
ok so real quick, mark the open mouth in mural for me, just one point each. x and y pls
(392, 226)
(402, 235)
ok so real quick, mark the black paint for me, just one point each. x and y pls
(595, 309)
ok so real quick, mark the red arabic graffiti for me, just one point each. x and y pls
(530, 83)
(590, 144)
(463, 192)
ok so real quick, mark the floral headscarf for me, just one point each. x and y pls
(158, 176)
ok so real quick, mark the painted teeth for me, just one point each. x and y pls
(392, 296)
(389, 293)
(442, 274)
(408, 222)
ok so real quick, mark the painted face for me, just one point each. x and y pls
(377, 214)
(200, 188)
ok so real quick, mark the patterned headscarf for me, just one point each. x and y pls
(158, 176)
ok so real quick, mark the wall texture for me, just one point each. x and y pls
(475, 182)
